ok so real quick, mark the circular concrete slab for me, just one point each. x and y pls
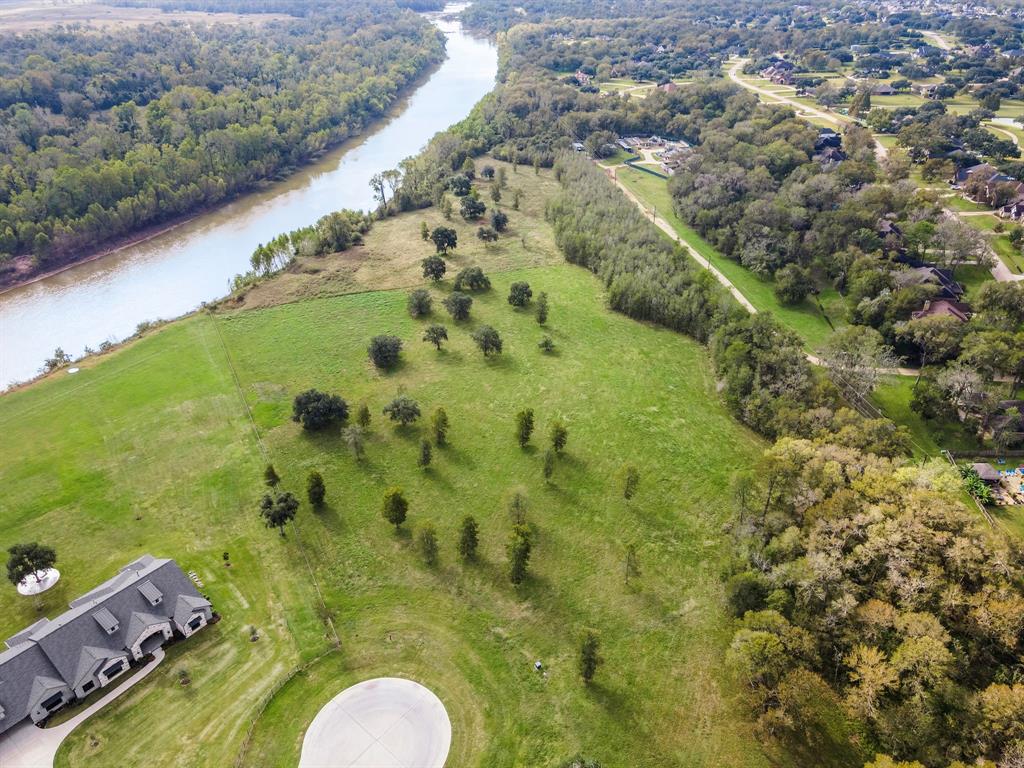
(31, 585)
(384, 723)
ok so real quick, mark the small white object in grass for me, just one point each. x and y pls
(72, 370)
(31, 585)
(538, 666)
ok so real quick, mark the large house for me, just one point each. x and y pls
(943, 308)
(54, 662)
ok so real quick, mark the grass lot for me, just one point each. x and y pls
(392, 254)
(958, 203)
(898, 100)
(893, 398)
(1009, 253)
(961, 105)
(150, 449)
(806, 320)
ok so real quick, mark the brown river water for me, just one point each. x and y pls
(174, 272)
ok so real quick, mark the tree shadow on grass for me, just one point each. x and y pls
(457, 456)
(329, 516)
(448, 356)
(612, 699)
(502, 362)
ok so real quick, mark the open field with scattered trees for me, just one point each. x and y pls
(632, 397)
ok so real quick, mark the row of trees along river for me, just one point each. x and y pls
(173, 272)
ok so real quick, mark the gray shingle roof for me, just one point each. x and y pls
(19, 668)
(70, 647)
(151, 593)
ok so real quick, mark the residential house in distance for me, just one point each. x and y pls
(942, 279)
(779, 72)
(827, 148)
(943, 307)
(56, 661)
(986, 184)
(883, 89)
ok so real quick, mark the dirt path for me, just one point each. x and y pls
(669, 230)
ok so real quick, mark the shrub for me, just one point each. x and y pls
(473, 279)
(519, 294)
(792, 284)
(488, 340)
(499, 221)
(458, 305)
(419, 303)
(384, 350)
(403, 409)
(434, 268)
(471, 209)
(316, 410)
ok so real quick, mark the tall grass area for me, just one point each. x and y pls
(805, 319)
(151, 450)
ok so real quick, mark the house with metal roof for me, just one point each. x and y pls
(56, 661)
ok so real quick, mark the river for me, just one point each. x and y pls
(174, 272)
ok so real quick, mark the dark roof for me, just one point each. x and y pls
(19, 668)
(100, 625)
(939, 307)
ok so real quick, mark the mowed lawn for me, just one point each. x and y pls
(150, 449)
(806, 319)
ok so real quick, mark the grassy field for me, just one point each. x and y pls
(34, 14)
(806, 319)
(391, 256)
(151, 449)
(957, 203)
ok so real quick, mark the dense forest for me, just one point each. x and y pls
(102, 133)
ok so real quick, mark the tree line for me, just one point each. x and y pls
(104, 132)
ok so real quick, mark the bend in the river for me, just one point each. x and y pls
(174, 272)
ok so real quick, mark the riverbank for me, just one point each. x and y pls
(167, 272)
(21, 273)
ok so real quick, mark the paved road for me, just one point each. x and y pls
(384, 723)
(26, 746)
(838, 120)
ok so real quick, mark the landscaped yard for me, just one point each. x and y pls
(893, 397)
(806, 320)
(151, 449)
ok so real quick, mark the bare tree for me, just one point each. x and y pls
(856, 358)
(958, 243)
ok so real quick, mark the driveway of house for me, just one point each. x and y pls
(26, 746)
(384, 723)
